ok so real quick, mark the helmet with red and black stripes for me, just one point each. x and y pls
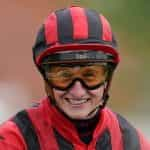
(76, 34)
(74, 29)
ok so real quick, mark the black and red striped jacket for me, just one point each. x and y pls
(45, 128)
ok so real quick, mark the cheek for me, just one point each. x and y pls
(58, 94)
(97, 92)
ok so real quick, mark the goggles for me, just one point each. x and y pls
(63, 76)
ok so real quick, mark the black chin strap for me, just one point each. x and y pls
(99, 106)
(105, 97)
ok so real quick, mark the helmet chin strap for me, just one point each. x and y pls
(104, 99)
(99, 106)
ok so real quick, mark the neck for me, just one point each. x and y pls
(86, 127)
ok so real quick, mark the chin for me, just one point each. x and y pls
(79, 116)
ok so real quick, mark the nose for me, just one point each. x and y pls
(78, 90)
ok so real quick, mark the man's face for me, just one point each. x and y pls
(77, 90)
(78, 102)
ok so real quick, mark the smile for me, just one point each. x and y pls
(76, 102)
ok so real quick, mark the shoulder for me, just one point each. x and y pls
(10, 136)
(128, 130)
(132, 137)
(124, 124)
(13, 131)
(32, 114)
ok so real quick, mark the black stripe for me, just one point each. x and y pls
(104, 141)
(65, 27)
(94, 24)
(62, 143)
(26, 128)
(40, 43)
(114, 42)
(129, 134)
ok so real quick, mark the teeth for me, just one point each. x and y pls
(77, 102)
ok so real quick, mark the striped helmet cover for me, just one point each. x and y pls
(74, 28)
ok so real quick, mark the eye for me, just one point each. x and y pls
(89, 74)
(64, 74)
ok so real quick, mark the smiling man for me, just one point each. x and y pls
(76, 54)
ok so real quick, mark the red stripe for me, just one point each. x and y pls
(11, 137)
(51, 32)
(114, 129)
(79, 21)
(107, 33)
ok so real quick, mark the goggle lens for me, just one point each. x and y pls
(62, 77)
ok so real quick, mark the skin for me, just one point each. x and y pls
(77, 102)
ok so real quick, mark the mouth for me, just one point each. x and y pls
(76, 102)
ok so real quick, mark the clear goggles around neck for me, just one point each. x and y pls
(63, 76)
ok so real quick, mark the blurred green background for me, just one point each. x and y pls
(20, 83)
